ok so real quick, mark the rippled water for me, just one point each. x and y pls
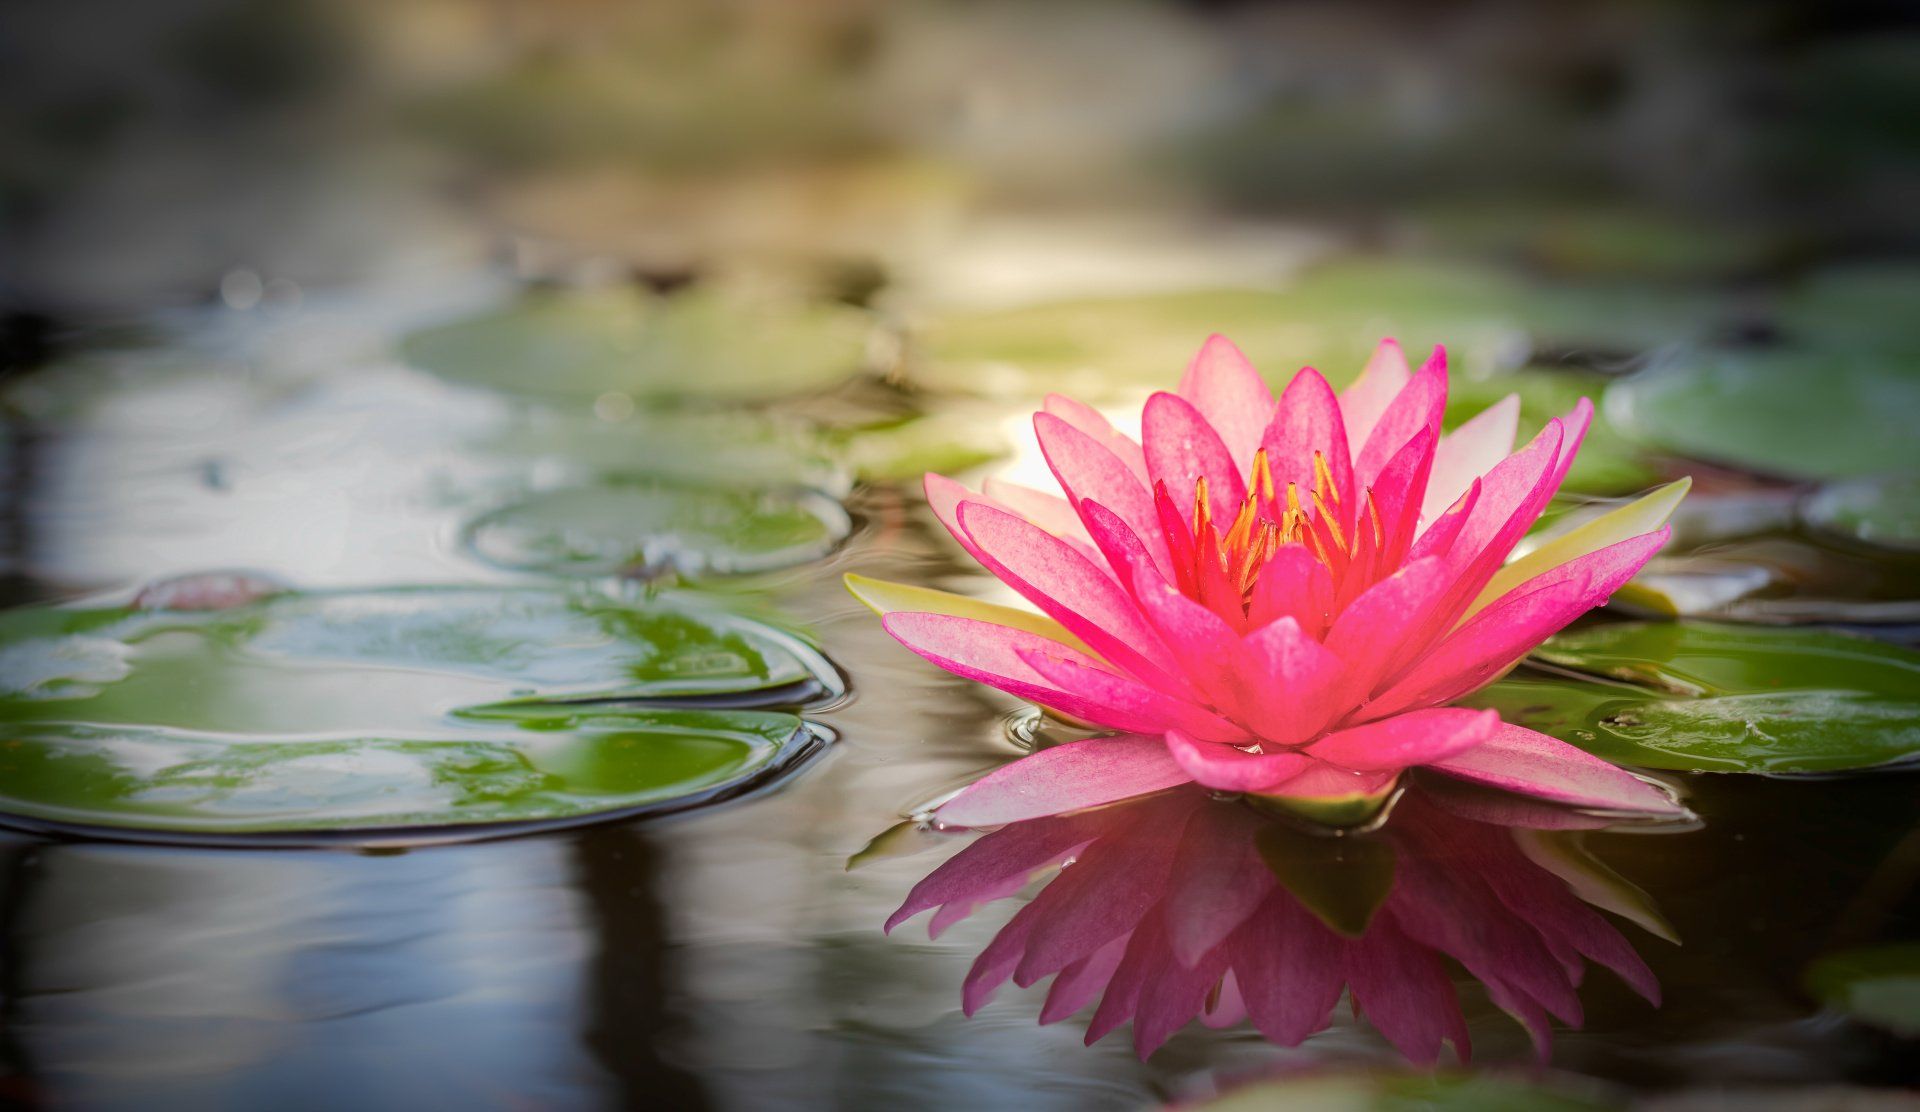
(728, 958)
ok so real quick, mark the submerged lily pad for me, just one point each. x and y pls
(137, 778)
(1719, 698)
(1883, 512)
(701, 343)
(1791, 413)
(1879, 985)
(421, 706)
(658, 527)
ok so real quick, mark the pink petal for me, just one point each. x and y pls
(1369, 635)
(1519, 760)
(990, 654)
(1289, 683)
(1049, 511)
(1471, 451)
(1384, 376)
(1322, 781)
(1401, 987)
(1182, 449)
(1296, 585)
(1290, 968)
(1080, 982)
(1419, 406)
(1217, 880)
(1576, 423)
(1089, 421)
(1136, 702)
(1105, 894)
(1173, 996)
(1225, 768)
(1088, 471)
(1016, 851)
(1309, 421)
(1482, 650)
(1067, 777)
(1071, 589)
(1231, 395)
(1415, 738)
(1399, 492)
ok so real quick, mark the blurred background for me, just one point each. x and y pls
(362, 294)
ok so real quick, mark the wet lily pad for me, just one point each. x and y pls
(1695, 696)
(385, 661)
(1879, 985)
(624, 341)
(655, 528)
(1794, 413)
(128, 779)
(395, 708)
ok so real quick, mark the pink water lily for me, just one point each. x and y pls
(1277, 597)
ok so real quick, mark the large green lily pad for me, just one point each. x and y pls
(1883, 512)
(1797, 413)
(1878, 985)
(654, 528)
(1694, 696)
(626, 342)
(125, 779)
(395, 708)
(1608, 463)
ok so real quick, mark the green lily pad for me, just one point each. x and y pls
(385, 661)
(1331, 319)
(126, 779)
(1794, 413)
(654, 528)
(623, 341)
(1608, 463)
(1719, 698)
(1883, 512)
(1879, 985)
(394, 708)
(721, 448)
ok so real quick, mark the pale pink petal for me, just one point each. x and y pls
(1070, 588)
(1415, 738)
(990, 654)
(1419, 406)
(1517, 759)
(1320, 782)
(1308, 421)
(1089, 421)
(1089, 472)
(1384, 376)
(1049, 511)
(1064, 778)
(1231, 395)
(1225, 768)
(944, 496)
(1182, 449)
(1471, 451)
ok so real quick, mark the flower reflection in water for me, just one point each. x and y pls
(1182, 905)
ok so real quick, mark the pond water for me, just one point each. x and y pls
(726, 957)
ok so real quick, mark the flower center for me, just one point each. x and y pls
(1224, 568)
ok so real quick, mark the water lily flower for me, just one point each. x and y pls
(1180, 906)
(1277, 597)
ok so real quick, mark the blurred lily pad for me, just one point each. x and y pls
(654, 528)
(626, 342)
(1331, 319)
(419, 706)
(137, 778)
(1388, 1092)
(701, 447)
(1608, 463)
(1882, 512)
(1790, 413)
(906, 448)
(1689, 695)
(1879, 985)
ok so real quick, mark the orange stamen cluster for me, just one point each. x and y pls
(1269, 520)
